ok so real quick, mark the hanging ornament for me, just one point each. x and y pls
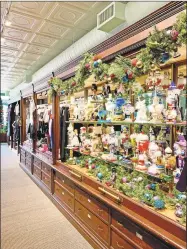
(95, 63)
(174, 34)
(73, 84)
(129, 74)
(134, 62)
(156, 198)
(165, 57)
(99, 61)
(112, 76)
(168, 32)
(125, 79)
(139, 64)
(159, 204)
(100, 175)
(124, 179)
(87, 66)
(153, 186)
(148, 196)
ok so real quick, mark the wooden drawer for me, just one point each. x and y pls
(90, 220)
(92, 204)
(135, 233)
(46, 168)
(64, 196)
(119, 243)
(37, 172)
(28, 155)
(65, 182)
(46, 180)
(37, 162)
(23, 153)
(28, 166)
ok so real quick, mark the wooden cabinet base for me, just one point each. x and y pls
(102, 223)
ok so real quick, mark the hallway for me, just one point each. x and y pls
(29, 220)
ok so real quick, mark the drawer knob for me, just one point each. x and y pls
(120, 246)
(62, 193)
(63, 181)
(89, 216)
(139, 236)
(89, 200)
(100, 210)
(120, 223)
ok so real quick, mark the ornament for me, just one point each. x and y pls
(125, 79)
(93, 166)
(139, 179)
(179, 212)
(134, 62)
(153, 186)
(168, 32)
(99, 61)
(73, 83)
(181, 197)
(87, 66)
(153, 67)
(139, 64)
(129, 74)
(148, 186)
(120, 102)
(156, 198)
(112, 76)
(174, 34)
(159, 204)
(147, 196)
(124, 179)
(96, 64)
(100, 175)
(165, 57)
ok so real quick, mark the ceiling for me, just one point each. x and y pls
(33, 33)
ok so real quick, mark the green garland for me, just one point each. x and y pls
(160, 46)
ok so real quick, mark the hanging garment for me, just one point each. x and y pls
(51, 136)
(17, 109)
(182, 183)
(32, 109)
(64, 116)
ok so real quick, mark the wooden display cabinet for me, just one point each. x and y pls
(105, 217)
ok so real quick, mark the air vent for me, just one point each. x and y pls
(111, 17)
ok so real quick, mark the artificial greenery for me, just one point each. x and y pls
(138, 186)
(181, 27)
(55, 85)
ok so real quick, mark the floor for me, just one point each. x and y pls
(29, 220)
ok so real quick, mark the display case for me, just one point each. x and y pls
(118, 155)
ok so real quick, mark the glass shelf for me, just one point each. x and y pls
(124, 123)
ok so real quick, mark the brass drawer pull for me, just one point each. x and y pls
(120, 223)
(89, 200)
(75, 174)
(89, 216)
(119, 245)
(110, 194)
(62, 193)
(100, 228)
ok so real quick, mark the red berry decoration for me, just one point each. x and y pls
(112, 76)
(73, 83)
(174, 34)
(134, 62)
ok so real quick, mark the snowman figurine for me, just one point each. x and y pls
(128, 111)
(142, 111)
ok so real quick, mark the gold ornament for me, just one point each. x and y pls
(139, 64)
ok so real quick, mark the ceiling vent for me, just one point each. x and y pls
(27, 78)
(111, 17)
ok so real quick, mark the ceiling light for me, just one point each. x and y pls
(8, 23)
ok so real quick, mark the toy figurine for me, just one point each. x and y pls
(110, 107)
(128, 111)
(179, 210)
(153, 148)
(170, 161)
(75, 141)
(142, 111)
(151, 134)
(70, 135)
(142, 142)
(181, 84)
(96, 142)
(113, 177)
(141, 163)
(166, 81)
(71, 112)
(156, 110)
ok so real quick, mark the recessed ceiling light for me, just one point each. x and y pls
(8, 23)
